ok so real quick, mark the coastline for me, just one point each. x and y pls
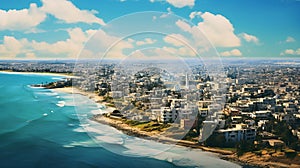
(129, 130)
(40, 73)
(248, 159)
(222, 154)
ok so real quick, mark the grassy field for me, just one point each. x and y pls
(148, 126)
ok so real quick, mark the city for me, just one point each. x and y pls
(254, 108)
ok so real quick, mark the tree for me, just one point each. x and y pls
(243, 147)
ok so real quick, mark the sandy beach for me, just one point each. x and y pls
(247, 159)
(132, 131)
(154, 135)
(90, 95)
(40, 73)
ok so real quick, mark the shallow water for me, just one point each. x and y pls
(42, 128)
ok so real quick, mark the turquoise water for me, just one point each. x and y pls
(44, 128)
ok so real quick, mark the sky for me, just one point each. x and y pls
(71, 29)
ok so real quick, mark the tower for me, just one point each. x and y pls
(186, 82)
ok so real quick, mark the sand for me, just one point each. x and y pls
(247, 159)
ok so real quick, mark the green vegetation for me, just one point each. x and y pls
(191, 135)
(281, 129)
(289, 153)
(244, 146)
(148, 126)
(110, 105)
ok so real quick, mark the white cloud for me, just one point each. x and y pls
(234, 52)
(170, 52)
(181, 3)
(177, 3)
(290, 52)
(184, 26)
(290, 39)
(23, 19)
(176, 39)
(108, 46)
(11, 46)
(198, 39)
(30, 55)
(68, 48)
(164, 15)
(68, 12)
(145, 41)
(249, 38)
(218, 30)
(28, 19)
(194, 14)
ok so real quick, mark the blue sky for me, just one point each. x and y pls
(59, 29)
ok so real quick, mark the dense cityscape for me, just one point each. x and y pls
(259, 110)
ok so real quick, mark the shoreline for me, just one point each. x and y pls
(248, 159)
(220, 153)
(129, 130)
(40, 73)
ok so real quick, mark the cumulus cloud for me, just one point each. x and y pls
(234, 52)
(217, 28)
(105, 45)
(171, 52)
(11, 46)
(175, 39)
(177, 3)
(145, 41)
(28, 19)
(249, 38)
(181, 3)
(290, 39)
(69, 48)
(195, 14)
(290, 52)
(184, 26)
(68, 12)
(23, 19)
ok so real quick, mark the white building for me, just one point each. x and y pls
(167, 114)
(263, 114)
(239, 133)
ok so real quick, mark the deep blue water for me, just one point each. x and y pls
(44, 128)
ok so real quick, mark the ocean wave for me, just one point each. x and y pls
(87, 143)
(46, 93)
(34, 87)
(120, 143)
(79, 129)
(61, 103)
(97, 111)
(57, 78)
(68, 146)
(117, 142)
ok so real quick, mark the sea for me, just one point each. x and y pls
(46, 128)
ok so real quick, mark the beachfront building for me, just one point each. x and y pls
(239, 133)
(187, 123)
(168, 115)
